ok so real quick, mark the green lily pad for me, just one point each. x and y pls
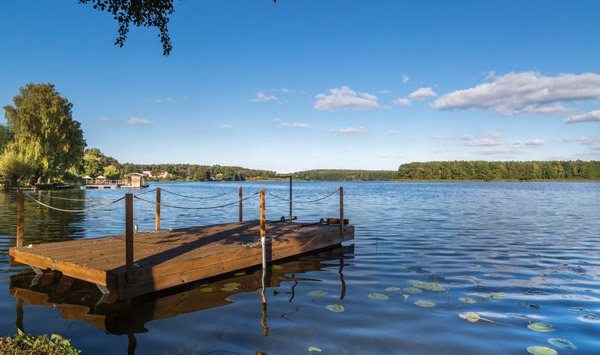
(277, 267)
(241, 273)
(206, 289)
(467, 300)
(498, 295)
(314, 348)
(541, 350)
(392, 289)
(378, 296)
(317, 293)
(517, 315)
(427, 286)
(412, 290)
(426, 304)
(470, 316)
(562, 343)
(541, 327)
(480, 299)
(231, 286)
(337, 308)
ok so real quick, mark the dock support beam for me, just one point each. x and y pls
(20, 217)
(240, 202)
(263, 231)
(157, 227)
(129, 237)
(341, 210)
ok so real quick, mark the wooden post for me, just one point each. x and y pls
(157, 209)
(240, 202)
(290, 199)
(263, 231)
(341, 210)
(20, 217)
(129, 237)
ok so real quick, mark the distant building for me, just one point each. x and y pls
(136, 180)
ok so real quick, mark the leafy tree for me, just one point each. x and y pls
(6, 137)
(43, 127)
(16, 167)
(111, 172)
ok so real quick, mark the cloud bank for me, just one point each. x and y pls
(343, 98)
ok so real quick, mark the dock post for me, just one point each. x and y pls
(157, 209)
(20, 217)
(240, 202)
(129, 237)
(263, 232)
(290, 199)
(341, 210)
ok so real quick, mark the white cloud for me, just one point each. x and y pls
(517, 145)
(106, 119)
(443, 137)
(534, 142)
(345, 98)
(583, 140)
(403, 102)
(226, 127)
(405, 78)
(526, 92)
(136, 121)
(590, 116)
(186, 97)
(493, 135)
(392, 132)
(293, 125)
(351, 131)
(422, 93)
(470, 141)
(286, 90)
(261, 97)
(490, 75)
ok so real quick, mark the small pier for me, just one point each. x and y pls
(133, 264)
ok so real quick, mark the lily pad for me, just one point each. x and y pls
(517, 315)
(337, 308)
(541, 327)
(378, 296)
(427, 286)
(470, 316)
(206, 289)
(277, 267)
(412, 290)
(541, 350)
(392, 289)
(317, 293)
(314, 348)
(480, 299)
(528, 305)
(231, 286)
(467, 300)
(498, 295)
(425, 304)
(589, 318)
(562, 343)
(241, 273)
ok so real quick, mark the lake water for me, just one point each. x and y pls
(516, 254)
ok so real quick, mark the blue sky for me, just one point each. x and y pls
(320, 84)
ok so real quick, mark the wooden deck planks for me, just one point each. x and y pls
(169, 258)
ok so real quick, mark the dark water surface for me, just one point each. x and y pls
(525, 253)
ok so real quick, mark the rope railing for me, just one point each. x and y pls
(145, 192)
(73, 211)
(196, 208)
(75, 199)
(296, 201)
(198, 197)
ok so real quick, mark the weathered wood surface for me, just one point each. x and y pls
(77, 299)
(168, 258)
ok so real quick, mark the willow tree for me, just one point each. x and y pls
(43, 127)
(6, 137)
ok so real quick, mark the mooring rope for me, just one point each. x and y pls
(73, 211)
(295, 201)
(195, 208)
(75, 199)
(196, 197)
(145, 192)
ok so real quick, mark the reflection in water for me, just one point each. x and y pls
(78, 300)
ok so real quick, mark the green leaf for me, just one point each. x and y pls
(470, 316)
(425, 304)
(337, 308)
(541, 350)
(314, 348)
(206, 289)
(392, 289)
(277, 267)
(467, 300)
(498, 295)
(241, 273)
(562, 343)
(412, 290)
(541, 327)
(378, 296)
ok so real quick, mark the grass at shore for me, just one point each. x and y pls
(25, 344)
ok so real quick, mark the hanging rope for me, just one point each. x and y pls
(73, 211)
(195, 208)
(295, 201)
(75, 199)
(196, 197)
(145, 192)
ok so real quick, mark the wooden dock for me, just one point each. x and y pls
(169, 258)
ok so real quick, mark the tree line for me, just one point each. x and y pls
(501, 170)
